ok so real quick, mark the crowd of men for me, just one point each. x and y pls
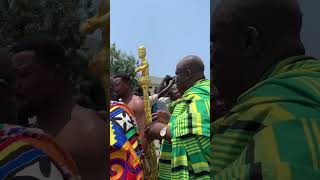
(266, 101)
(264, 121)
(180, 121)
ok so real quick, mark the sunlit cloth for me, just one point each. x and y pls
(188, 156)
(274, 130)
(30, 154)
(125, 148)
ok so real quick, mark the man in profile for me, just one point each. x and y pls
(27, 153)
(185, 152)
(271, 90)
(124, 92)
(44, 84)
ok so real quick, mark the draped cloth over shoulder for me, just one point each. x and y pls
(125, 147)
(274, 130)
(29, 153)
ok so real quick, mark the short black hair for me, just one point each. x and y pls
(47, 49)
(124, 77)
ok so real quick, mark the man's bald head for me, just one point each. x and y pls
(192, 63)
(278, 17)
(188, 71)
(248, 38)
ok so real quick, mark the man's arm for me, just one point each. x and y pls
(166, 89)
(137, 107)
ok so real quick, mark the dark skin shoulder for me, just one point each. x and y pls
(85, 137)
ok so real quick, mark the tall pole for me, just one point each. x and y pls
(151, 168)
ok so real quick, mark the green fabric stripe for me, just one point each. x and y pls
(287, 103)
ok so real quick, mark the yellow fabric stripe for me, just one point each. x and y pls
(200, 165)
(266, 149)
(12, 147)
(112, 136)
(316, 130)
(283, 172)
(113, 108)
(180, 160)
(197, 118)
(207, 103)
(310, 143)
(166, 154)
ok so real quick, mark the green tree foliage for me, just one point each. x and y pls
(121, 62)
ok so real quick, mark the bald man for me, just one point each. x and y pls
(186, 147)
(271, 90)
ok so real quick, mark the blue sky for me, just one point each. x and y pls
(169, 29)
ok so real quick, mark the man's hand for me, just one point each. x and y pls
(161, 116)
(172, 82)
(152, 131)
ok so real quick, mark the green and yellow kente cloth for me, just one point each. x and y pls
(187, 157)
(273, 133)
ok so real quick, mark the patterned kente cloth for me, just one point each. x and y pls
(125, 147)
(188, 155)
(27, 153)
(273, 133)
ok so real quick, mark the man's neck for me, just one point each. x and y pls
(127, 98)
(54, 118)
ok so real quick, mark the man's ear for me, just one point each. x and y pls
(188, 73)
(253, 41)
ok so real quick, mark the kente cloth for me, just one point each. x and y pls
(27, 153)
(125, 146)
(273, 132)
(188, 155)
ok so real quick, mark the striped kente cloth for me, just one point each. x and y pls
(125, 148)
(188, 155)
(273, 133)
(27, 153)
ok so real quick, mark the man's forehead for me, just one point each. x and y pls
(23, 58)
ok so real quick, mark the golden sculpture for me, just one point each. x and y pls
(151, 168)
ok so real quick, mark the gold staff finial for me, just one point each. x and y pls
(142, 52)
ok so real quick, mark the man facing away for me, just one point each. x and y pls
(185, 153)
(271, 90)
(43, 83)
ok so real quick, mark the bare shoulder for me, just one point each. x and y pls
(86, 133)
(136, 104)
(87, 117)
(87, 141)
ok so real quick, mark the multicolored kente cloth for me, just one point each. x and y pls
(125, 147)
(188, 155)
(27, 153)
(273, 133)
